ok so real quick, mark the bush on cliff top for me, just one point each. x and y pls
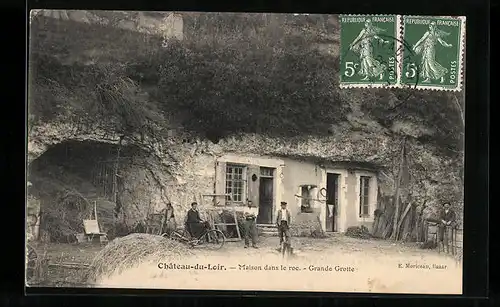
(258, 83)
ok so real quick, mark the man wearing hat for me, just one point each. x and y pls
(447, 219)
(250, 213)
(283, 219)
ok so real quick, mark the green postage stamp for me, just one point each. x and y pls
(434, 58)
(419, 52)
(368, 50)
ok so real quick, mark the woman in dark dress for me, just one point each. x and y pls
(195, 225)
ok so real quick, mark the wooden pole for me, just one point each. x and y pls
(401, 220)
(115, 175)
(95, 209)
(236, 222)
(397, 192)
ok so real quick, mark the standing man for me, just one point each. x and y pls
(194, 223)
(168, 220)
(447, 219)
(283, 219)
(250, 214)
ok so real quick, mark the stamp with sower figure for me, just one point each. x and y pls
(436, 57)
(368, 50)
(417, 52)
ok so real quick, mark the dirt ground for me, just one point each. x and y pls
(337, 263)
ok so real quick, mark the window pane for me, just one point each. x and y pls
(234, 182)
(363, 195)
(266, 171)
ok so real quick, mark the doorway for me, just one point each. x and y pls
(266, 196)
(332, 201)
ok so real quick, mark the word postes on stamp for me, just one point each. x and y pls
(368, 50)
(434, 57)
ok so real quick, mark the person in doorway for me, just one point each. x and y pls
(195, 225)
(283, 220)
(168, 224)
(250, 215)
(447, 224)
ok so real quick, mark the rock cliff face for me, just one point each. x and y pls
(167, 25)
(178, 165)
(185, 170)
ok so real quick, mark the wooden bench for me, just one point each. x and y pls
(92, 230)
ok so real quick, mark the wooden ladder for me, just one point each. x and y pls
(224, 224)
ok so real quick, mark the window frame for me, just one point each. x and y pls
(306, 205)
(263, 168)
(364, 195)
(243, 180)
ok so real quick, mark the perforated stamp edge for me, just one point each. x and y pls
(461, 52)
(397, 28)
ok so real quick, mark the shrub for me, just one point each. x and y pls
(361, 232)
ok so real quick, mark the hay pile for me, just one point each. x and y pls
(131, 251)
(66, 200)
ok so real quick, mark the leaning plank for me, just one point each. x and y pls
(401, 220)
(237, 226)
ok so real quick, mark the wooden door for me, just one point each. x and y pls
(265, 201)
(331, 201)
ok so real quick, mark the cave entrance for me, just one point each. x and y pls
(72, 176)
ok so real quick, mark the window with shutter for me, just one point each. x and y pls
(220, 184)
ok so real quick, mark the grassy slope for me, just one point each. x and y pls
(225, 79)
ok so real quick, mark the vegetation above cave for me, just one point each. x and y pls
(232, 73)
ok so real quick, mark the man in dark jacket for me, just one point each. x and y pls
(168, 220)
(283, 220)
(195, 225)
(447, 225)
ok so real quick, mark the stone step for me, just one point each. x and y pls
(268, 233)
(267, 230)
(267, 226)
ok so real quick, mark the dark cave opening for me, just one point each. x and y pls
(72, 178)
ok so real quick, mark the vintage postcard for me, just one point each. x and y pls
(245, 151)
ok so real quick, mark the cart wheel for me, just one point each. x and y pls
(31, 263)
(213, 239)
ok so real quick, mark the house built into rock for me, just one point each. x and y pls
(340, 194)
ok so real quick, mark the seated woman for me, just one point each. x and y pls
(195, 225)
